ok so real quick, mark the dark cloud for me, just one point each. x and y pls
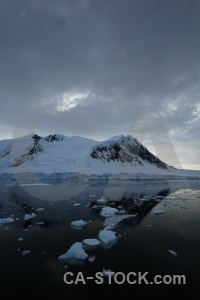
(123, 55)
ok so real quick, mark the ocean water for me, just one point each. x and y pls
(158, 243)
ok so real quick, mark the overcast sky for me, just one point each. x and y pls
(99, 68)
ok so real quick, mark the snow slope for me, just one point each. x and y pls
(61, 154)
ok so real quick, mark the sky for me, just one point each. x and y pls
(103, 68)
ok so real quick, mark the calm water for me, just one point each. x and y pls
(143, 241)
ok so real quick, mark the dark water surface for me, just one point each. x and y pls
(143, 241)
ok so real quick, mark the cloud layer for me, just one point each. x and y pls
(102, 68)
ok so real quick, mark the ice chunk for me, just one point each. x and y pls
(6, 220)
(75, 252)
(112, 221)
(40, 209)
(101, 200)
(78, 224)
(172, 252)
(158, 211)
(29, 216)
(107, 237)
(108, 211)
(25, 252)
(20, 239)
(107, 272)
(91, 242)
(92, 258)
(77, 204)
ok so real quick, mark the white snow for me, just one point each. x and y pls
(107, 236)
(76, 251)
(91, 242)
(29, 216)
(108, 211)
(72, 155)
(6, 220)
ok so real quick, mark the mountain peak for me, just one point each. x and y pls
(57, 153)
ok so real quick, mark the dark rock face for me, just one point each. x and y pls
(31, 152)
(54, 137)
(37, 147)
(128, 150)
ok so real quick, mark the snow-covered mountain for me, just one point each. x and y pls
(61, 154)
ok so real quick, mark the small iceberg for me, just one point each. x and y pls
(6, 220)
(76, 252)
(29, 216)
(108, 238)
(106, 272)
(101, 200)
(78, 224)
(108, 211)
(91, 242)
(113, 221)
(92, 258)
(173, 252)
(25, 252)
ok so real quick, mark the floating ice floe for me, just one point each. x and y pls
(40, 209)
(101, 200)
(25, 252)
(76, 252)
(173, 252)
(158, 211)
(107, 237)
(77, 204)
(78, 224)
(107, 272)
(29, 216)
(6, 220)
(20, 239)
(113, 221)
(91, 242)
(108, 211)
(92, 258)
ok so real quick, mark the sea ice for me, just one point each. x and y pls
(111, 222)
(25, 252)
(92, 258)
(76, 251)
(108, 211)
(158, 211)
(106, 272)
(29, 216)
(172, 252)
(101, 200)
(108, 237)
(78, 224)
(6, 220)
(91, 242)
